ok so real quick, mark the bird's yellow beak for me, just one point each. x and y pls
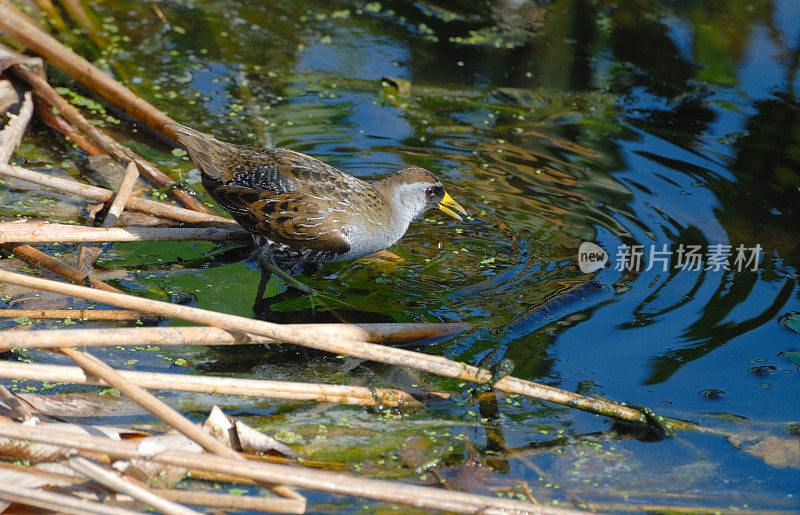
(451, 207)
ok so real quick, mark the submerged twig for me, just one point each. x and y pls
(309, 338)
(61, 125)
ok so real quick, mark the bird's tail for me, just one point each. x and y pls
(210, 155)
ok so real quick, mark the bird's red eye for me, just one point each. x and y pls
(429, 192)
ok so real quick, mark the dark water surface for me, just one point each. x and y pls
(659, 124)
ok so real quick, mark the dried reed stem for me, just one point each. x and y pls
(392, 333)
(43, 232)
(227, 501)
(59, 503)
(15, 404)
(310, 338)
(158, 409)
(15, 24)
(101, 194)
(88, 255)
(319, 480)
(12, 133)
(76, 314)
(112, 480)
(119, 152)
(39, 258)
(11, 136)
(335, 394)
(123, 193)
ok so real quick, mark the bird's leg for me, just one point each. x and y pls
(262, 284)
(267, 264)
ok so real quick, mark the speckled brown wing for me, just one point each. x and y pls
(292, 219)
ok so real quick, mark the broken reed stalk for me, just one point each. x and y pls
(59, 503)
(319, 480)
(11, 136)
(142, 205)
(12, 133)
(388, 334)
(61, 125)
(309, 338)
(335, 394)
(110, 146)
(15, 404)
(160, 410)
(123, 315)
(44, 232)
(194, 498)
(123, 193)
(112, 480)
(39, 258)
(18, 26)
(88, 255)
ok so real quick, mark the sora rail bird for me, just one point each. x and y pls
(304, 213)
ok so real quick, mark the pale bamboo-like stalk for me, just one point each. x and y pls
(89, 254)
(15, 404)
(116, 315)
(11, 136)
(359, 349)
(319, 480)
(116, 483)
(388, 334)
(334, 393)
(227, 501)
(59, 503)
(160, 410)
(190, 497)
(102, 194)
(44, 232)
(123, 193)
(12, 133)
